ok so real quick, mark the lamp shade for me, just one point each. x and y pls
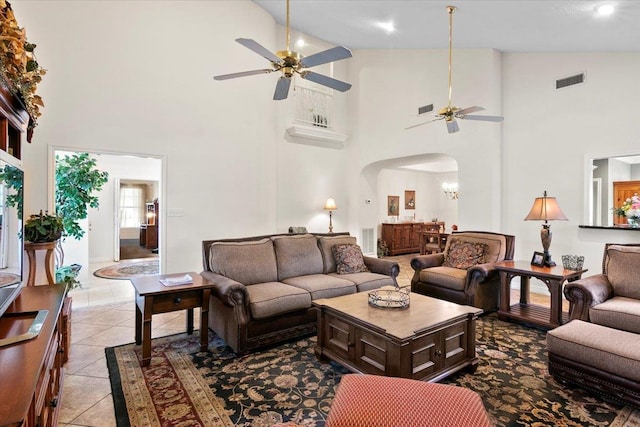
(330, 204)
(544, 209)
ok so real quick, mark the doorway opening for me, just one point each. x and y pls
(101, 242)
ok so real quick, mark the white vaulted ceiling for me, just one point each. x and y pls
(506, 25)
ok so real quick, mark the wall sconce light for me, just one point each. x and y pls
(546, 209)
(450, 190)
(330, 206)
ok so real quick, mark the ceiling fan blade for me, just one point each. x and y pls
(260, 50)
(423, 123)
(452, 126)
(334, 54)
(425, 109)
(484, 118)
(282, 88)
(242, 74)
(326, 81)
(469, 110)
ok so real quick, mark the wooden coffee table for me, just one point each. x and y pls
(427, 341)
(152, 297)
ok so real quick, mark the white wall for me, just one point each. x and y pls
(138, 78)
(548, 134)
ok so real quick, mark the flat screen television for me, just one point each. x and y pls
(11, 232)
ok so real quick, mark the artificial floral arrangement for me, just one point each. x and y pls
(42, 227)
(630, 208)
(18, 63)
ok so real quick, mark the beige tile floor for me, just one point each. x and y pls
(103, 315)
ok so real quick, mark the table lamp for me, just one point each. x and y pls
(546, 209)
(330, 206)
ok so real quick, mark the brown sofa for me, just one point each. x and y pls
(599, 349)
(440, 276)
(264, 285)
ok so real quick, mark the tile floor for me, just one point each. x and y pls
(103, 315)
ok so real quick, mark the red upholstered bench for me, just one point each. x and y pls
(372, 400)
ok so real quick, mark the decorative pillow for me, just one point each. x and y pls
(463, 254)
(348, 259)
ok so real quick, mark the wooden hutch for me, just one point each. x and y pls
(31, 373)
(405, 237)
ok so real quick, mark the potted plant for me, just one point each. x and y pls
(42, 227)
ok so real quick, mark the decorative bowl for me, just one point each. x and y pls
(389, 297)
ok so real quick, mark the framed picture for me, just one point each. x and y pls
(393, 205)
(538, 259)
(409, 199)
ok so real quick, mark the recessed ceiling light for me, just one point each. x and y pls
(387, 26)
(300, 42)
(605, 9)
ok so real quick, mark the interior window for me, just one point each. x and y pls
(131, 206)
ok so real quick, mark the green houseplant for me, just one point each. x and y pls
(77, 181)
(42, 227)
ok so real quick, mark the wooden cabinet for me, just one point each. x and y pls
(405, 237)
(429, 356)
(32, 371)
(149, 231)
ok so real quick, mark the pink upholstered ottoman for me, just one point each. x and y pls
(377, 401)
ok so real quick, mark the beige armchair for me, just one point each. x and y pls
(464, 272)
(612, 298)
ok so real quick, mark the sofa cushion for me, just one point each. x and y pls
(274, 298)
(623, 270)
(367, 281)
(618, 313)
(600, 347)
(496, 244)
(322, 285)
(348, 259)
(247, 262)
(297, 255)
(462, 254)
(326, 243)
(446, 277)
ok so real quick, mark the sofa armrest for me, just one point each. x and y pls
(585, 293)
(230, 292)
(382, 266)
(425, 261)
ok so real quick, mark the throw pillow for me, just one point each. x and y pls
(463, 254)
(348, 259)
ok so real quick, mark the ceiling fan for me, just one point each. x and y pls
(451, 113)
(291, 63)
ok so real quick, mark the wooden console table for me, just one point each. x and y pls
(30, 249)
(152, 297)
(31, 376)
(524, 311)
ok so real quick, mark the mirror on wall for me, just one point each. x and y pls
(609, 180)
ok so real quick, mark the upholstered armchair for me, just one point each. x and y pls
(612, 298)
(464, 272)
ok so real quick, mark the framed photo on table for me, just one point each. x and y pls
(538, 259)
(409, 199)
(393, 205)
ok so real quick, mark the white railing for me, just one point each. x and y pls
(313, 107)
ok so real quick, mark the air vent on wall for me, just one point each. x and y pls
(368, 246)
(570, 81)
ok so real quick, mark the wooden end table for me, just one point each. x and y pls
(152, 297)
(524, 311)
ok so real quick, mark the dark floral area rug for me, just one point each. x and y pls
(184, 386)
(126, 270)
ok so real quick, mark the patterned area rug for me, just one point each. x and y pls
(186, 387)
(128, 269)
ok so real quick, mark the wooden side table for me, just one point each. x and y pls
(31, 249)
(152, 297)
(553, 277)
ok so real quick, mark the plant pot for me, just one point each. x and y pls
(634, 222)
